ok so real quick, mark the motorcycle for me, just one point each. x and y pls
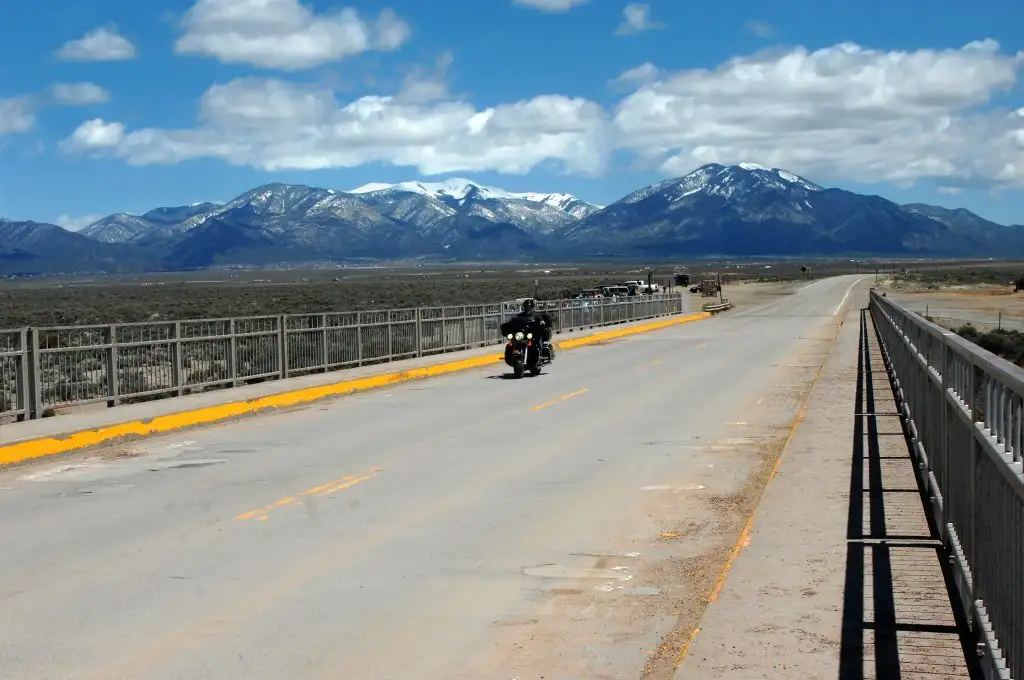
(523, 347)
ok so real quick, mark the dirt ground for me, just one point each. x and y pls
(748, 293)
(985, 306)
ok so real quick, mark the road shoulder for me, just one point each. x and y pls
(779, 612)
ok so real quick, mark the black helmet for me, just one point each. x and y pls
(528, 305)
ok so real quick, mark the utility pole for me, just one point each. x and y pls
(721, 298)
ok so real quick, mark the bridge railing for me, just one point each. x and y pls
(46, 369)
(965, 410)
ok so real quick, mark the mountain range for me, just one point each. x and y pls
(737, 210)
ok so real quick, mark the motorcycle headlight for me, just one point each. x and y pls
(529, 336)
(509, 336)
(519, 335)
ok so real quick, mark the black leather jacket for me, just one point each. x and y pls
(542, 319)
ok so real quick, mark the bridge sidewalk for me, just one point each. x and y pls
(843, 576)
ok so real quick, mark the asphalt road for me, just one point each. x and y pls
(466, 526)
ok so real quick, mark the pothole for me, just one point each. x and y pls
(669, 487)
(185, 464)
(514, 622)
(560, 571)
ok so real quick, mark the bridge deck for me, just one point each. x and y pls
(843, 575)
(572, 525)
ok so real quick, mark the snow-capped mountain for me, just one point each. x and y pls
(724, 181)
(457, 190)
(743, 209)
(748, 209)
(425, 203)
(157, 223)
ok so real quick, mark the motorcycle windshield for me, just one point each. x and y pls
(515, 325)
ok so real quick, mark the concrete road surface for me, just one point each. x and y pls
(468, 526)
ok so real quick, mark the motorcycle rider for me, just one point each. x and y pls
(530, 315)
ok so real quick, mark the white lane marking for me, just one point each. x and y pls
(848, 291)
(814, 283)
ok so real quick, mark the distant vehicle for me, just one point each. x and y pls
(638, 287)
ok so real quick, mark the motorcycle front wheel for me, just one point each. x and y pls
(517, 367)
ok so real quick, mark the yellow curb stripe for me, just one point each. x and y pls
(48, 446)
(623, 332)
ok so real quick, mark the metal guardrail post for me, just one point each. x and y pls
(419, 332)
(465, 327)
(232, 354)
(35, 383)
(282, 349)
(390, 335)
(177, 369)
(323, 342)
(22, 377)
(285, 349)
(113, 383)
(359, 338)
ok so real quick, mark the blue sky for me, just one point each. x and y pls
(188, 100)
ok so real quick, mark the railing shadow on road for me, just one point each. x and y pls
(874, 642)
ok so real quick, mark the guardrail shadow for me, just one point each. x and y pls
(900, 619)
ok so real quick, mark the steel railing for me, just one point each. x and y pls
(44, 369)
(965, 410)
(14, 374)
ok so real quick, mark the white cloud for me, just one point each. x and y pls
(426, 85)
(72, 223)
(101, 44)
(644, 74)
(16, 116)
(762, 29)
(551, 5)
(636, 19)
(843, 112)
(95, 134)
(284, 34)
(276, 125)
(78, 94)
(840, 112)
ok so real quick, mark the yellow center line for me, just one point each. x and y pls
(562, 398)
(320, 490)
(323, 487)
(343, 485)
